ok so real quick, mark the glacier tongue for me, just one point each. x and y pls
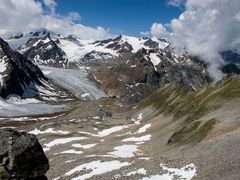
(75, 81)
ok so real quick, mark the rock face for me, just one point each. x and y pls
(21, 156)
(18, 75)
(44, 51)
(139, 75)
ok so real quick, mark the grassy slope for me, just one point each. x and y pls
(191, 106)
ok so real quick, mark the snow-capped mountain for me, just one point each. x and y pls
(18, 75)
(44, 47)
(128, 44)
(20, 39)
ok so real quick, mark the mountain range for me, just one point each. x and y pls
(133, 67)
(122, 100)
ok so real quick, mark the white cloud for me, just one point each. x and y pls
(159, 30)
(51, 4)
(176, 3)
(206, 28)
(27, 15)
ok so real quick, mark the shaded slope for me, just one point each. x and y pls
(18, 75)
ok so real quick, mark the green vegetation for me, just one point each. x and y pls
(172, 100)
(182, 104)
(192, 133)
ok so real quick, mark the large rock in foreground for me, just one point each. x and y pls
(21, 156)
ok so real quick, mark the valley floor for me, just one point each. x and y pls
(132, 144)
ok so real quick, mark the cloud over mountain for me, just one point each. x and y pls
(205, 28)
(26, 15)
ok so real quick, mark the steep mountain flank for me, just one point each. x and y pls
(18, 75)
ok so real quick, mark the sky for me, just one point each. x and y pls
(91, 19)
(120, 16)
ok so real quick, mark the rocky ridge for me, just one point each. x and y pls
(18, 75)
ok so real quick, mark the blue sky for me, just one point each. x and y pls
(121, 16)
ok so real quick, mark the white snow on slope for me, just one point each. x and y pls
(138, 43)
(2, 69)
(143, 129)
(2, 65)
(97, 168)
(17, 100)
(187, 172)
(139, 171)
(75, 81)
(125, 151)
(75, 51)
(85, 146)
(154, 59)
(71, 151)
(139, 118)
(16, 43)
(138, 139)
(62, 141)
(48, 131)
(161, 44)
(12, 109)
(111, 130)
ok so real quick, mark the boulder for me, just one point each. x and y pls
(21, 156)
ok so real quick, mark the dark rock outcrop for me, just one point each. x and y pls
(21, 156)
(18, 75)
(45, 51)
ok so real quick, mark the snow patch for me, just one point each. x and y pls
(125, 151)
(86, 146)
(154, 59)
(97, 168)
(62, 141)
(187, 172)
(111, 130)
(71, 151)
(48, 131)
(144, 128)
(139, 171)
(138, 139)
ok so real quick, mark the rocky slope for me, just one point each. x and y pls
(18, 75)
(174, 133)
(138, 75)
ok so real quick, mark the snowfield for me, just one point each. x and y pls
(75, 81)
(77, 50)
(14, 107)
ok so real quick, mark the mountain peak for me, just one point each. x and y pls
(42, 32)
